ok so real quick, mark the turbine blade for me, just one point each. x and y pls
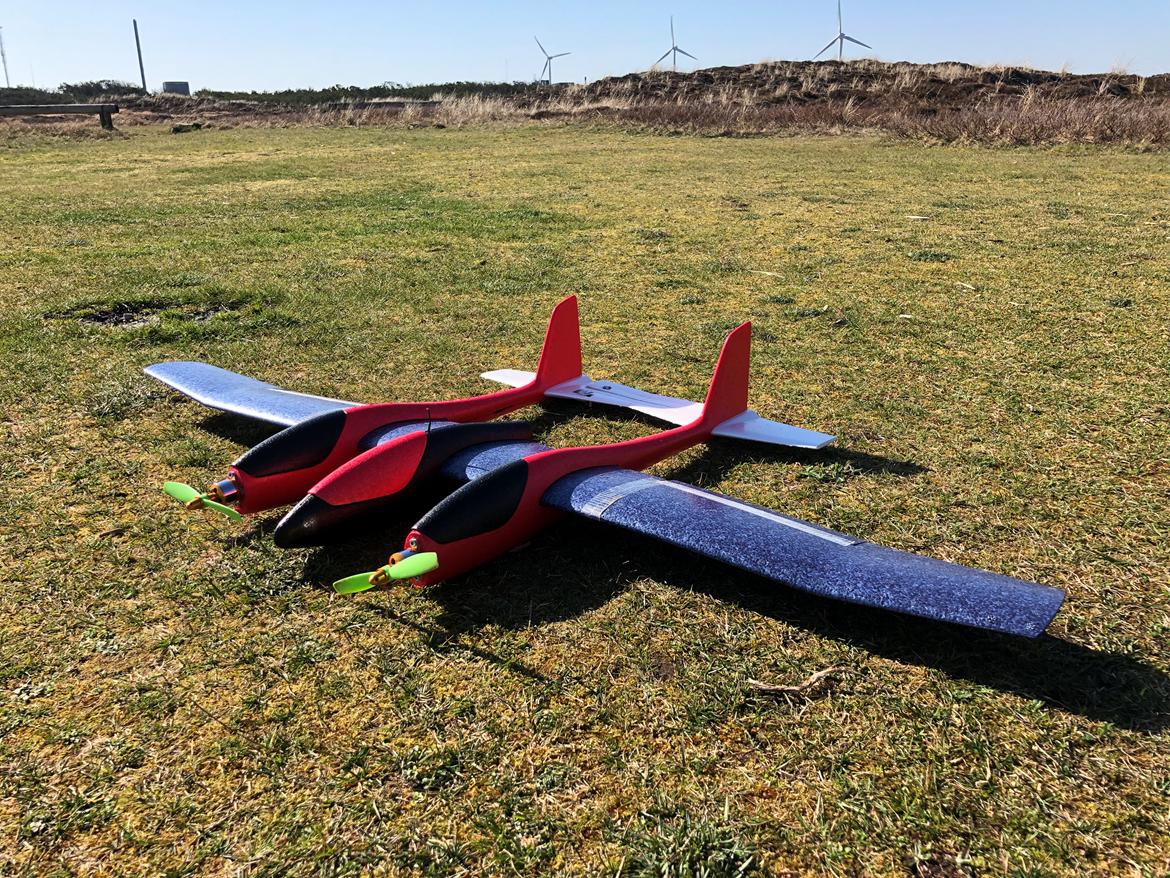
(541, 47)
(822, 51)
(859, 42)
(840, 26)
(688, 54)
(664, 54)
(673, 41)
(561, 55)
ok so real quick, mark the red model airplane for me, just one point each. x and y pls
(344, 461)
(507, 505)
(281, 469)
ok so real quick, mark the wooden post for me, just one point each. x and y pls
(105, 112)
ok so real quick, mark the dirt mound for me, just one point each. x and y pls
(182, 105)
(949, 101)
(944, 86)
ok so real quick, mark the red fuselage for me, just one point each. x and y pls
(282, 469)
(503, 509)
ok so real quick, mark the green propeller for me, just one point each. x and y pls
(191, 498)
(356, 583)
(408, 568)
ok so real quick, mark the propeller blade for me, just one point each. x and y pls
(859, 42)
(221, 508)
(822, 51)
(359, 582)
(183, 493)
(688, 54)
(664, 54)
(408, 568)
(412, 566)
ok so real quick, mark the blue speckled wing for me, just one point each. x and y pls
(230, 392)
(390, 432)
(469, 465)
(804, 555)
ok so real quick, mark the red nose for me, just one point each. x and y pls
(420, 542)
(258, 493)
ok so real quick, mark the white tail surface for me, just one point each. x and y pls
(748, 427)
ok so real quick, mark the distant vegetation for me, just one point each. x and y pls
(69, 92)
(942, 102)
(305, 97)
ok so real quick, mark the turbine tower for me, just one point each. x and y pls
(840, 39)
(548, 59)
(4, 58)
(675, 50)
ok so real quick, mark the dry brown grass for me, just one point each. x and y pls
(949, 102)
(180, 698)
(1025, 120)
(1042, 121)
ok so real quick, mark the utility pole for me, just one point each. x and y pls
(4, 58)
(138, 44)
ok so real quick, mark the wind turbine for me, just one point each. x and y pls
(840, 39)
(548, 59)
(675, 50)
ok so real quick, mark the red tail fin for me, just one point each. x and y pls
(560, 358)
(728, 394)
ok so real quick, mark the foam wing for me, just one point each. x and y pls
(230, 392)
(470, 464)
(804, 555)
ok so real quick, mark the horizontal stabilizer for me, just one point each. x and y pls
(808, 557)
(230, 392)
(748, 426)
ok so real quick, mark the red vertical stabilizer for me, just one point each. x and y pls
(728, 393)
(560, 358)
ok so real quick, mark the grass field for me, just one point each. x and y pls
(985, 330)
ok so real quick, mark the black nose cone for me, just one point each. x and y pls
(312, 522)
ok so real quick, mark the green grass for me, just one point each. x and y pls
(181, 698)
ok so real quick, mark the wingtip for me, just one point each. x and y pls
(1056, 599)
(154, 370)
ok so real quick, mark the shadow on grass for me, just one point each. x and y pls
(1099, 685)
(237, 428)
(368, 550)
(446, 639)
(832, 463)
(558, 578)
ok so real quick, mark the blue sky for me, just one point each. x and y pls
(268, 45)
